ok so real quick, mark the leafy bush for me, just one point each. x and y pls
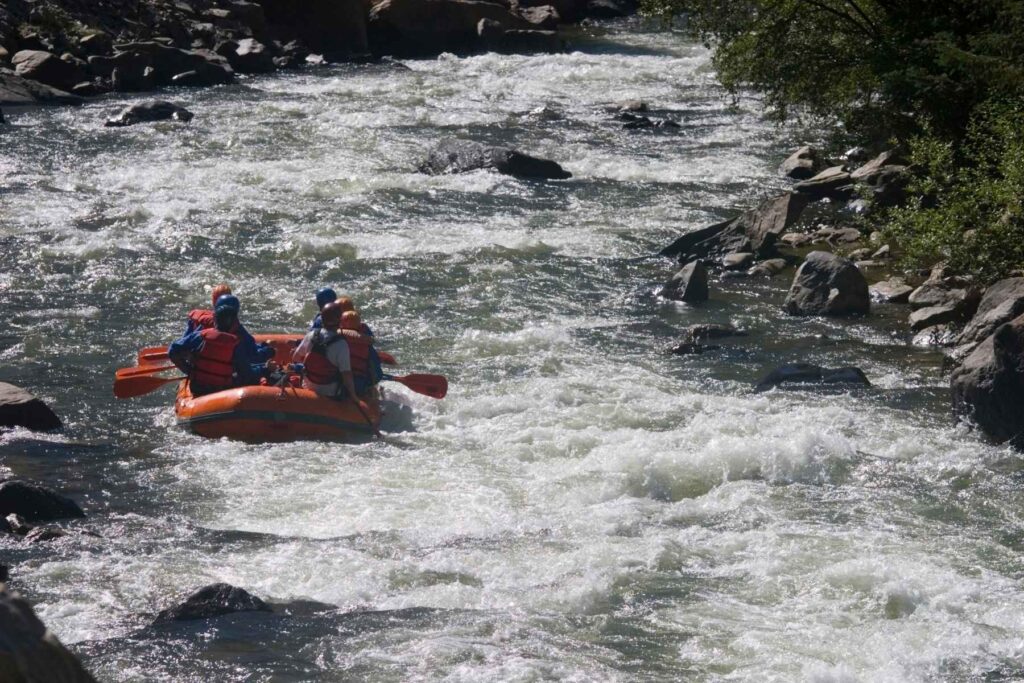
(970, 212)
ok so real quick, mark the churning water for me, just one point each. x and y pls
(583, 506)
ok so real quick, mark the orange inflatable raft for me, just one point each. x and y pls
(269, 413)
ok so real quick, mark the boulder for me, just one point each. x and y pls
(755, 231)
(1001, 303)
(460, 156)
(738, 261)
(98, 43)
(133, 79)
(252, 57)
(47, 68)
(153, 110)
(35, 503)
(889, 186)
(166, 62)
(633, 121)
(988, 387)
(44, 533)
(806, 373)
(29, 652)
(703, 332)
(17, 525)
(836, 236)
(768, 268)
(796, 239)
(611, 9)
(802, 164)
(832, 182)
(569, 11)
(18, 408)
(865, 173)
(826, 284)
(336, 29)
(690, 284)
(943, 301)
(936, 335)
(544, 17)
(15, 90)
(418, 28)
(892, 291)
(213, 601)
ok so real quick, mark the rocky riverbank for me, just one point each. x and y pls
(841, 269)
(61, 52)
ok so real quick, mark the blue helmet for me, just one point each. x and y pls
(324, 296)
(228, 302)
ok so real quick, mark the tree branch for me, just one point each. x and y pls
(866, 30)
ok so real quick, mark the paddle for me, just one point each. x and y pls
(151, 354)
(362, 409)
(435, 386)
(386, 358)
(140, 385)
(144, 370)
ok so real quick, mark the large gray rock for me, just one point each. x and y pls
(15, 90)
(690, 284)
(213, 601)
(826, 284)
(569, 11)
(417, 28)
(756, 231)
(29, 652)
(47, 68)
(154, 110)
(18, 408)
(828, 183)
(988, 387)
(943, 301)
(35, 503)
(891, 291)
(461, 156)
(494, 38)
(806, 373)
(876, 166)
(1001, 303)
(132, 60)
(802, 164)
(252, 57)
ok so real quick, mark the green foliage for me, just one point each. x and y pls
(878, 67)
(970, 215)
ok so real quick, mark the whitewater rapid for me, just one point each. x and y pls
(583, 506)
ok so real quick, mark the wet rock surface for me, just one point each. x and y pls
(807, 373)
(148, 112)
(35, 503)
(690, 284)
(213, 601)
(461, 156)
(19, 408)
(29, 652)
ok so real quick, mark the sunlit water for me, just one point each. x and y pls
(583, 506)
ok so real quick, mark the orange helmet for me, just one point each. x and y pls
(346, 303)
(219, 291)
(350, 320)
(330, 316)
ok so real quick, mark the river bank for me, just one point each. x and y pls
(583, 503)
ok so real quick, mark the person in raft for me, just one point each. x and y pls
(213, 357)
(366, 369)
(203, 319)
(324, 296)
(324, 357)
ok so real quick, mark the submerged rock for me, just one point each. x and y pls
(826, 284)
(988, 387)
(212, 601)
(35, 503)
(460, 156)
(891, 291)
(154, 110)
(690, 284)
(29, 652)
(806, 373)
(17, 525)
(18, 408)
(694, 336)
(44, 533)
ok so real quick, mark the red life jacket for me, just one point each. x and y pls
(320, 370)
(201, 319)
(358, 352)
(212, 366)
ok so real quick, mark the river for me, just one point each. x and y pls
(582, 506)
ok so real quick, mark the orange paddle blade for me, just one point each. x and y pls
(435, 386)
(386, 358)
(140, 385)
(144, 370)
(151, 355)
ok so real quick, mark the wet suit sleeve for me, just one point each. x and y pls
(180, 349)
(255, 353)
(317, 323)
(245, 372)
